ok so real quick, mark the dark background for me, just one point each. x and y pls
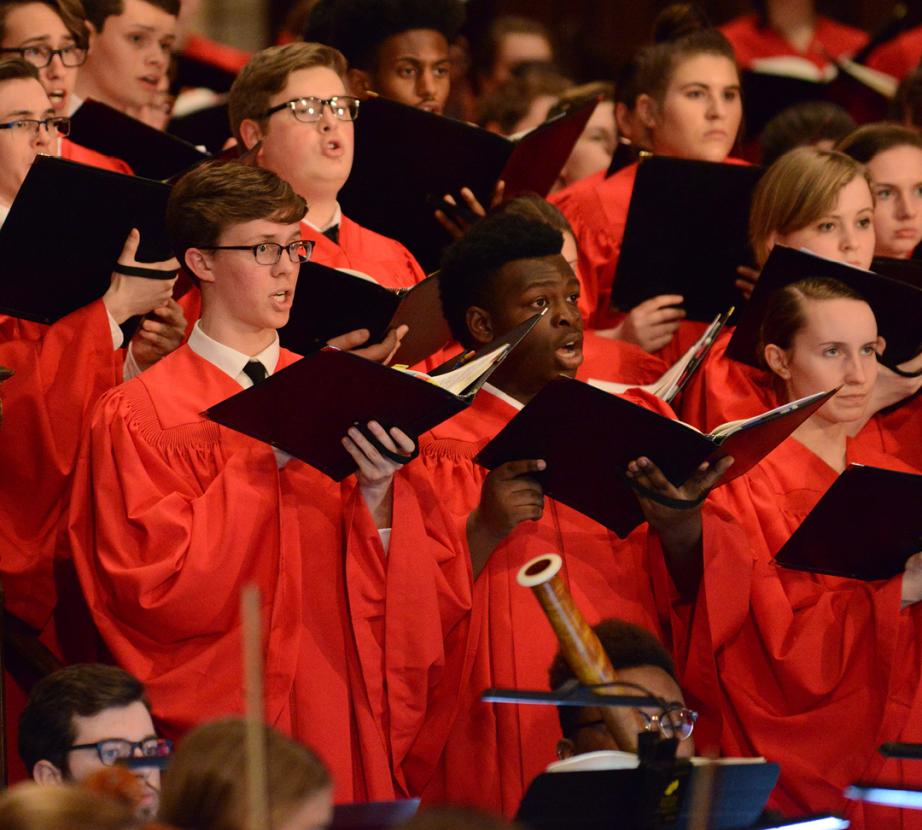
(594, 36)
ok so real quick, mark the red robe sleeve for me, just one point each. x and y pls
(60, 372)
(899, 56)
(803, 669)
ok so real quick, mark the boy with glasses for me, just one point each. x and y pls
(290, 103)
(130, 44)
(173, 514)
(398, 49)
(60, 370)
(85, 717)
(48, 35)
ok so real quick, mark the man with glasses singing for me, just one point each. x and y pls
(645, 667)
(86, 717)
(291, 101)
(49, 36)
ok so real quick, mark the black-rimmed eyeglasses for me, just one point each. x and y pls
(58, 126)
(269, 253)
(310, 109)
(113, 750)
(41, 56)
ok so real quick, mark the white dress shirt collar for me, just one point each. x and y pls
(335, 219)
(229, 360)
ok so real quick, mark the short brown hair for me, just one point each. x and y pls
(98, 11)
(215, 195)
(867, 141)
(784, 313)
(31, 806)
(532, 206)
(509, 103)
(70, 12)
(204, 789)
(17, 70)
(799, 188)
(46, 726)
(267, 73)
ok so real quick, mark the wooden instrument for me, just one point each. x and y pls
(578, 643)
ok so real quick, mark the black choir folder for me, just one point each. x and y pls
(865, 527)
(587, 437)
(49, 276)
(705, 207)
(338, 302)
(307, 408)
(151, 153)
(897, 303)
(407, 159)
(373, 815)
(635, 799)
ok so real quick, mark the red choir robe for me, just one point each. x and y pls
(812, 672)
(60, 373)
(84, 155)
(752, 42)
(898, 57)
(172, 515)
(222, 55)
(495, 750)
(383, 259)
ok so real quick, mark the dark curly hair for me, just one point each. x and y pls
(470, 265)
(358, 27)
(627, 646)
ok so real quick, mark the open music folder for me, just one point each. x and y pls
(865, 526)
(705, 205)
(151, 153)
(897, 303)
(47, 276)
(594, 435)
(407, 159)
(330, 302)
(307, 408)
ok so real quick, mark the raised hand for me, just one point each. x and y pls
(376, 471)
(652, 323)
(457, 224)
(912, 580)
(510, 495)
(748, 277)
(381, 352)
(162, 331)
(679, 529)
(130, 296)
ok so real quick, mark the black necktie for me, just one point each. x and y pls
(255, 371)
(332, 233)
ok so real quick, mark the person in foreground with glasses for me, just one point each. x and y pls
(645, 667)
(85, 717)
(60, 369)
(290, 103)
(173, 514)
(51, 37)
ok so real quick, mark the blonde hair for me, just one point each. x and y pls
(266, 75)
(799, 188)
(31, 806)
(205, 787)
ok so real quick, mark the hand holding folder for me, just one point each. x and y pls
(595, 435)
(77, 266)
(706, 207)
(308, 407)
